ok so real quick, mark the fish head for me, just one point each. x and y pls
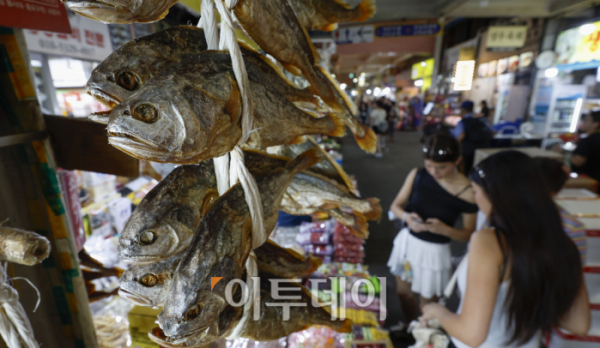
(155, 234)
(121, 11)
(146, 285)
(174, 127)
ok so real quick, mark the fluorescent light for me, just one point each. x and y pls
(363, 74)
(573, 175)
(423, 64)
(354, 93)
(377, 91)
(551, 72)
(463, 74)
(343, 86)
(369, 92)
(36, 63)
(355, 80)
(576, 114)
(386, 91)
(587, 29)
(418, 83)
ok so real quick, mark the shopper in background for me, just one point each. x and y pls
(363, 112)
(522, 276)
(472, 133)
(415, 112)
(586, 157)
(556, 175)
(392, 119)
(485, 111)
(436, 197)
(377, 121)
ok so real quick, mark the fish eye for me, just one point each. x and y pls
(145, 113)
(149, 280)
(128, 80)
(147, 237)
(193, 312)
(110, 78)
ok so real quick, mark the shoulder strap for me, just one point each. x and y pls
(452, 283)
(462, 191)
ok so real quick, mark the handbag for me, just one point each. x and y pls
(433, 335)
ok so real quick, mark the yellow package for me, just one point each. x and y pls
(141, 321)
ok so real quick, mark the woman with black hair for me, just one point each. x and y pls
(436, 197)
(522, 276)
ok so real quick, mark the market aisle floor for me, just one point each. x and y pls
(382, 178)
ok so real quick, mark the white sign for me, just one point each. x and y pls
(88, 40)
(354, 35)
(463, 75)
(506, 36)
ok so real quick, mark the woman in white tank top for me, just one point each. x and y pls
(523, 276)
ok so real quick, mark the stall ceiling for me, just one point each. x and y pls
(392, 10)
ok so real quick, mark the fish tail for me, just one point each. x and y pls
(322, 86)
(314, 261)
(339, 126)
(368, 140)
(330, 27)
(342, 326)
(376, 210)
(360, 228)
(304, 161)
(367, 9)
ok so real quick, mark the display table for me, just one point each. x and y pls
(481, 154)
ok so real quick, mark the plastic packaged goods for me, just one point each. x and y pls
(23, 247)
(317, 337)
(111, 323)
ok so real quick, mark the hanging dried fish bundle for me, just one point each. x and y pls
(23, 247)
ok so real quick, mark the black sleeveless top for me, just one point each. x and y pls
(430, 200)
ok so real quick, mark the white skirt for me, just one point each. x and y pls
(430, 263)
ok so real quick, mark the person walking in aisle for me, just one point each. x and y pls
(522, 275)
(392, 118)
(586, 157)
(377, 121)
(436, 197)
(472, 133)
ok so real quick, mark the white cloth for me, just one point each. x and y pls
(378, 116)
(430, 263)
(499, 332)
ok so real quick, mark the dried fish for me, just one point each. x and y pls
(147, 284)
(128, 68)
(220, 247)
(325, 14)
(311, 192)
(121, 11)
(276, 29)
(201, 116)
(271, 324)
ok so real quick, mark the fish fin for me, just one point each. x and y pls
(345, 327)
(266, 154)
(265, 59)
(367, 142)
(297, 140)
(342, 173)
(304, 161)
(360, 228)
(99, 118)
(292, 69)
(367, 10)
(330, 27)
(349, 103)
(376, 210)
(315, 262)
(339, 125)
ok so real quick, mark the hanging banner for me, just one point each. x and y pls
(407, 30)
(354, 35)
(579, 45)
(88, 40)
(49, 15)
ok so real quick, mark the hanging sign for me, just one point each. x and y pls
(579, 45)
(463, 75)
(354, 35)
(407, 30)
(49, 15)
(506, 36)
(88, 40)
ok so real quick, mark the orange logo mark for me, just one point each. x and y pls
(214, 281)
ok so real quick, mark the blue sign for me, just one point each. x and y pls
(407, 30)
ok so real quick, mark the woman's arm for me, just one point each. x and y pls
(464, 234)
(404, 194)
(483, 277)
(577, 319)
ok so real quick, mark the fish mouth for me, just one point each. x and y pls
(180, 339)
(142, 259)
(103, 97)
(131, 140)
(135, 298)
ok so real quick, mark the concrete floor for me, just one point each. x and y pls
(383, 178)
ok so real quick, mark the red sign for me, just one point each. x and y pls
(49, 15)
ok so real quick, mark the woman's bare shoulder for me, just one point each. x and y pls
(486, 241)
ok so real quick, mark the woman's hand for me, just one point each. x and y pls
(432, 311)
(414, 221)
(436, 226)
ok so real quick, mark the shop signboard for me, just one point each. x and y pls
(463, 75)
(407, 30)
(512, 36)
(354, 35)
(49, 15)
(422, 69)
(579, 45)
(89, 40)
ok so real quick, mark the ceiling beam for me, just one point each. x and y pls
(451, 7)
(562, 6)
